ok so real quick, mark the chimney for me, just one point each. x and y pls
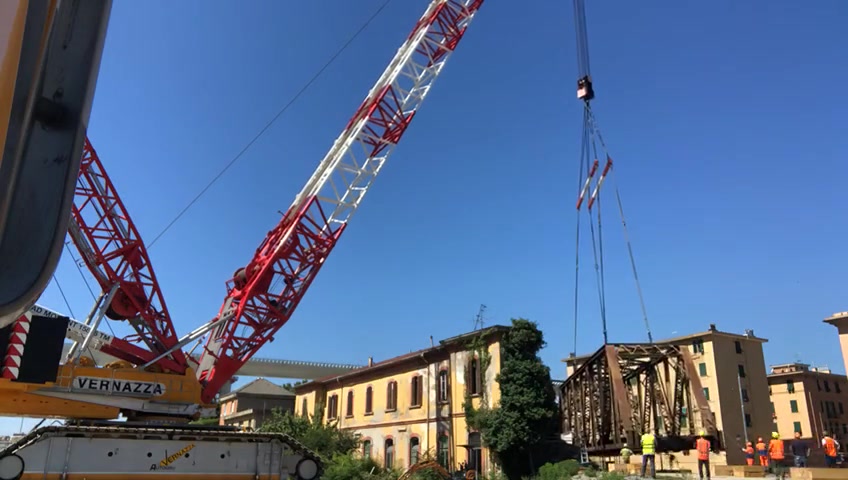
(370, 361)
(712, 327)
(431, 341)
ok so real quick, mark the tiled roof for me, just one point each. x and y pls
(260, 386)
(400, 359)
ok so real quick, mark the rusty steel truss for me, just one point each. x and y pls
(624, 390)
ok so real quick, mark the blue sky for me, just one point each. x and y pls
(724, 119)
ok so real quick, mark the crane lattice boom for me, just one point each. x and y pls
(113, 251)
(262, 296)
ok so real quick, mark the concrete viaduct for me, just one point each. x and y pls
(259, 367)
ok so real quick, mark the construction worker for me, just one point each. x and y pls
(625, 453)
(775, 452)
(761, 452)
(648, 442)
(830, 447)
(703, 447)
(749, 453)
(800, 450)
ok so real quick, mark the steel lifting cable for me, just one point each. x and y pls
(588, 151)
(597, 240)
(596, 132)
(599, 268)
(271, 122)
(580, 176)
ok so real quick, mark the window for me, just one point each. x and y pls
(826, 386)
(793, 406)
(443, 386)
(366, 448)
(369, 401)
(790, 387)
(390, 453)
(304, 409)
(391, 396)
(742, 371)
(796, 427)
(416, 393)
(818, 384)
(738, 346)
(774, 427)
(333, 407)
(747, 419)
(698, 346)
(841, 411)
(836, 386)
(349, 411)
(443, 453)
(845, 428)
(473, 381)
(707, 393)
(702, 369)
(745, 395)
(414, 450)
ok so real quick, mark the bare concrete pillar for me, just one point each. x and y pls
(840, 321)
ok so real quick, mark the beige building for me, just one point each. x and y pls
(724, 361)
(412, 405)
(810, 401)
(250, 405)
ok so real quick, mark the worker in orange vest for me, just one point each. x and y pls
(749, 453)
(831, 447)
(762, 452)
(703, 447)
(775, 451)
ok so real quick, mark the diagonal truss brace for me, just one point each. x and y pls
(624, 390)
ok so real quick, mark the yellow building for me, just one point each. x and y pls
(410, 405)
(724, 361)
(810, 401)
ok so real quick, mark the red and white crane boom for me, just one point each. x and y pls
(113, 251)
(262, 296)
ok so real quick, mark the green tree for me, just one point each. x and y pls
(527, 411)
(327, 440)
(290, 386)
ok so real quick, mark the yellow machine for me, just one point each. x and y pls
(88, 392)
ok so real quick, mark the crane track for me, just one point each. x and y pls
(188, 431)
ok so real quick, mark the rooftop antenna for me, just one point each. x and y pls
(478, 320)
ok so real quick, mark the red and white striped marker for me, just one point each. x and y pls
(15, 349)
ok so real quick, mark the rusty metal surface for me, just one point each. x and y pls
(624, 390)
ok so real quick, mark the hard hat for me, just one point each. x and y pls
(775, 435)
(701, 433)
(748, 443)
(759, 439)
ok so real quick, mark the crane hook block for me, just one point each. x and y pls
(584, 89)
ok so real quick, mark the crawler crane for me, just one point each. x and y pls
(155, 380)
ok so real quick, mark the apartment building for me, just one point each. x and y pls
(410, 405)
(732, 371)
(249, 406)
(809, 400)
